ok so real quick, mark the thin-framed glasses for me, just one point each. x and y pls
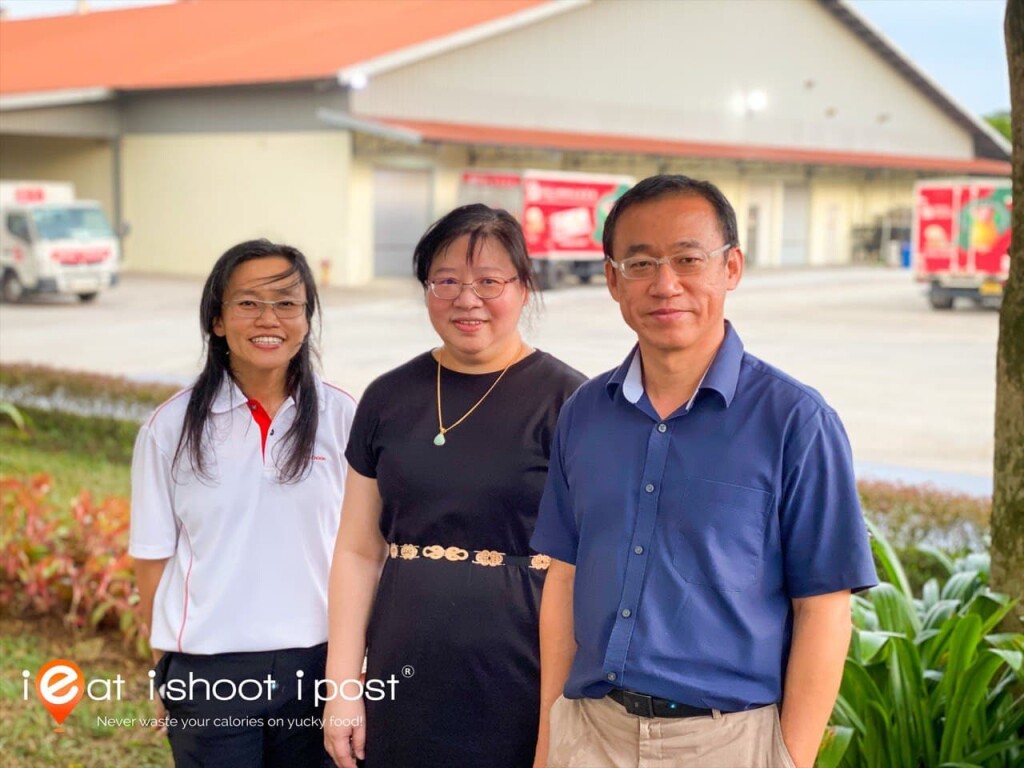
(250, 309)
(449, 289)
(686, 262)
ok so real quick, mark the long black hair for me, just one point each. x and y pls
(300, 381)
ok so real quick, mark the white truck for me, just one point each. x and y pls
(52, 243)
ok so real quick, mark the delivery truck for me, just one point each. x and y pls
(562, 215)
(52, 243)
(961, 239)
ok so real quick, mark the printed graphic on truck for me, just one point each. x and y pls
(562, 214)
(961, 239)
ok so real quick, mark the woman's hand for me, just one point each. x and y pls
(345, 731)
(160, 724)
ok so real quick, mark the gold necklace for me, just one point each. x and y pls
(442, 429)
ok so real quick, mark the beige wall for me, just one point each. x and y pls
(577, 71)
(190, 197)
(87, 163)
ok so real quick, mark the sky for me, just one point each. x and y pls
(958, 43)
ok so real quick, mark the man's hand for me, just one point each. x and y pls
(821, 638)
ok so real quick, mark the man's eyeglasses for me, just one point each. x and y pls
(449, 289)
(688, 262)
(250, 309)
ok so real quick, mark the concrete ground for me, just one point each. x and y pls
(914, 387)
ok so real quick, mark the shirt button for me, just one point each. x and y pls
(649, 488)
(271, 432)
(611, 676)
(662, 427)
(638, 550)
(626, 613)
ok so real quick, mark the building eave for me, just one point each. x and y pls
(987, 138)
(498, 136)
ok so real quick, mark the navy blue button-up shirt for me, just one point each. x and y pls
(691, 535)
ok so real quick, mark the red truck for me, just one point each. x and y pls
(562, 214)
(961, 239)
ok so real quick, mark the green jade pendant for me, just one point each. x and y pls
(439, 440)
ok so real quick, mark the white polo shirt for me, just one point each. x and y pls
(249, 556)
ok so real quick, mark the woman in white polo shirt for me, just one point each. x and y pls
(237, 485)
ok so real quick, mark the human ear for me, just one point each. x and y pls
(611, 276)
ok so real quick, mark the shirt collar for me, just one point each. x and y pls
(721, 376)
(230, 396)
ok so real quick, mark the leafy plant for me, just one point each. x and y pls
(927, 681)
(71, 562)
(10, 411)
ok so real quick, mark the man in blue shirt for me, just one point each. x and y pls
(703, 522)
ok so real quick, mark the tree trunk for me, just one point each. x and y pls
(1008, 496)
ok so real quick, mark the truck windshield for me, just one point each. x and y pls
(71, 224)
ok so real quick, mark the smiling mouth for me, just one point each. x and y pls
(468, 323)
(267, 341)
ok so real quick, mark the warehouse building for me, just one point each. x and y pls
(346, 127)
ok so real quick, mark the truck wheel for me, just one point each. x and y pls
(11, 289)
(87, 297)
(940, 300)
(548, 275)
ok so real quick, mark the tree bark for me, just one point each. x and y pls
(1008, 491)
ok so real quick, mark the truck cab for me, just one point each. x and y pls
(52, 243)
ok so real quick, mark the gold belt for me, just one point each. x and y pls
(488, 557)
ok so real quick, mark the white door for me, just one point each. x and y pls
(796, 213)
(401, 214)
(757, 240)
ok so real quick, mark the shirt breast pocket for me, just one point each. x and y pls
(718, 538)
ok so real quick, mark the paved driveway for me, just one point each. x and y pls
(915, 387)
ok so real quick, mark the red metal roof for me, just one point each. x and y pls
(221, 42)
(457, 133)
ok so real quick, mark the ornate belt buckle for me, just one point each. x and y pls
(540, 562)
(455, 554)
(489, 557)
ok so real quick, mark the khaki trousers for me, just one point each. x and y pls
(599, 733)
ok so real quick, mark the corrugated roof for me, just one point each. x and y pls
(225, 42)
(486, 135)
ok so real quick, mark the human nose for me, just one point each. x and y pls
(268, 314)
(665, 282)
(467, 296)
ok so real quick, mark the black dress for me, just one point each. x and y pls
(460, 637)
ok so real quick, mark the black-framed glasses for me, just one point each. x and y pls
(250, 309)
(449, 289)
(686, 262)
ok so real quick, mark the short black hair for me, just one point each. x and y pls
(480, 223)
(664, 185)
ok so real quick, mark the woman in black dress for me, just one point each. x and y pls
(432, 576)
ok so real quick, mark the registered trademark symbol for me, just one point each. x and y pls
(408, 671)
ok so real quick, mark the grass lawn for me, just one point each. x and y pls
(27, 738)
(71, 470)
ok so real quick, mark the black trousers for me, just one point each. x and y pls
(228, 710)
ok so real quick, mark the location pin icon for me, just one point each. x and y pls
(60, 685)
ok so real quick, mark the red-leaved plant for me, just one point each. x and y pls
(71, 562)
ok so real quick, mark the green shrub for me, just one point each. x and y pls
(72, 563)
(913, 517)
(927, 681)
(86, 394)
